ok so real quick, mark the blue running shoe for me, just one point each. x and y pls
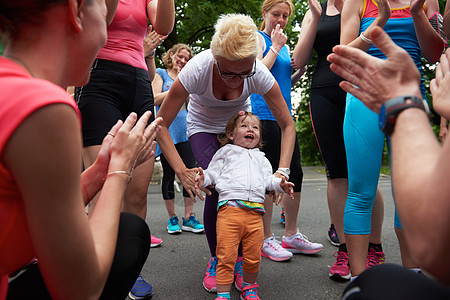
(173, 226)
(193, 225)
(141, 289)
(283, 217)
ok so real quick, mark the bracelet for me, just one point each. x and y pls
(365, 39)
(274, 51)
(120, 172)
(282, 173)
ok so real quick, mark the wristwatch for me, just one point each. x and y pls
(391, 108)
(284, 171)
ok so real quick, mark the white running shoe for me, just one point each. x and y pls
(299, 243)
(272, 249)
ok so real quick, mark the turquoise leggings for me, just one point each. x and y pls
(364, 143)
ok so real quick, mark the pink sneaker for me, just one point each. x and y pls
(299, 243)
(273, 250)
(250, 292)
(155, 242)
(341, 269)
(374, 258)
(221, 298)
(209, 281)
(238, 277)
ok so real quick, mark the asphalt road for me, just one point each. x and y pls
(176, 269)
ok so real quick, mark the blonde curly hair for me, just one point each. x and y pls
(235, 37)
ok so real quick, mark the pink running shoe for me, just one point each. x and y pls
(374, 258)
(155, 242)
(221, 298)
(273, 250)
(209, 281)
(238, 277)
(250, 293)
(341, 269)
(299, 243)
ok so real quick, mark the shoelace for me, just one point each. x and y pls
(212, 268)
(374, 257)
(342, 257)
(251, 293)
(193, 220)
(238, 267)
(302, 237)
(275, 244)
(173, 221)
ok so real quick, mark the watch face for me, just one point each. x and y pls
(382, 117)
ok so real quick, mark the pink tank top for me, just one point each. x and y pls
(126, 34)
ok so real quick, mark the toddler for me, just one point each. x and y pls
(241, 174)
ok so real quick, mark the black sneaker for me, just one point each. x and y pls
(332, 236)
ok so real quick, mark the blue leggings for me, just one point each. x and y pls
(364, 143)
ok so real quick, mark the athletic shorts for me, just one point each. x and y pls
(113, 92)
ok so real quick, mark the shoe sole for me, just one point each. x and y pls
(275, 258)
(131, 296)
(296, 251)
(331, 241)
(338, 277)
(190, 229)
(212, 290)
(173, 231)
(155, 245)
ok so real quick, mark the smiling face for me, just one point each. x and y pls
(180, 58)
(246, 134)
(277, 14)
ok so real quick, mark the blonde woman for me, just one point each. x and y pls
(219, 82)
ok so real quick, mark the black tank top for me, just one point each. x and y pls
(327, 36)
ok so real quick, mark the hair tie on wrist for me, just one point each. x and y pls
(365, 39)
(274, 51)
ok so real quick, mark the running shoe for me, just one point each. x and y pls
(192, 224)
(374, 258)
(283, 217)
(209, 281)
(341, 268)
(250, 293)
(272, 249)
(238, 277)
(173, 226)
(299, 243)
(332, 236)
(221, 298)
(155, 242)
(141, 289)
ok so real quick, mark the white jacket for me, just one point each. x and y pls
(240, 173)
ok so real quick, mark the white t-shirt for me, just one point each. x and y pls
(206, 113)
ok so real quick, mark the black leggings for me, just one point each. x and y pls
(133, 246)
(388, 282)
(327, 108)
(185, 151)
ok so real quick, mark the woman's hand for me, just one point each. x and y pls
(132, 143)
(384, 10)
(189, 182)
(440, 87)
(278, 38)
(315, 8)
(152, 40)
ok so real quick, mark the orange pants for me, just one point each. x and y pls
(235, 225)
